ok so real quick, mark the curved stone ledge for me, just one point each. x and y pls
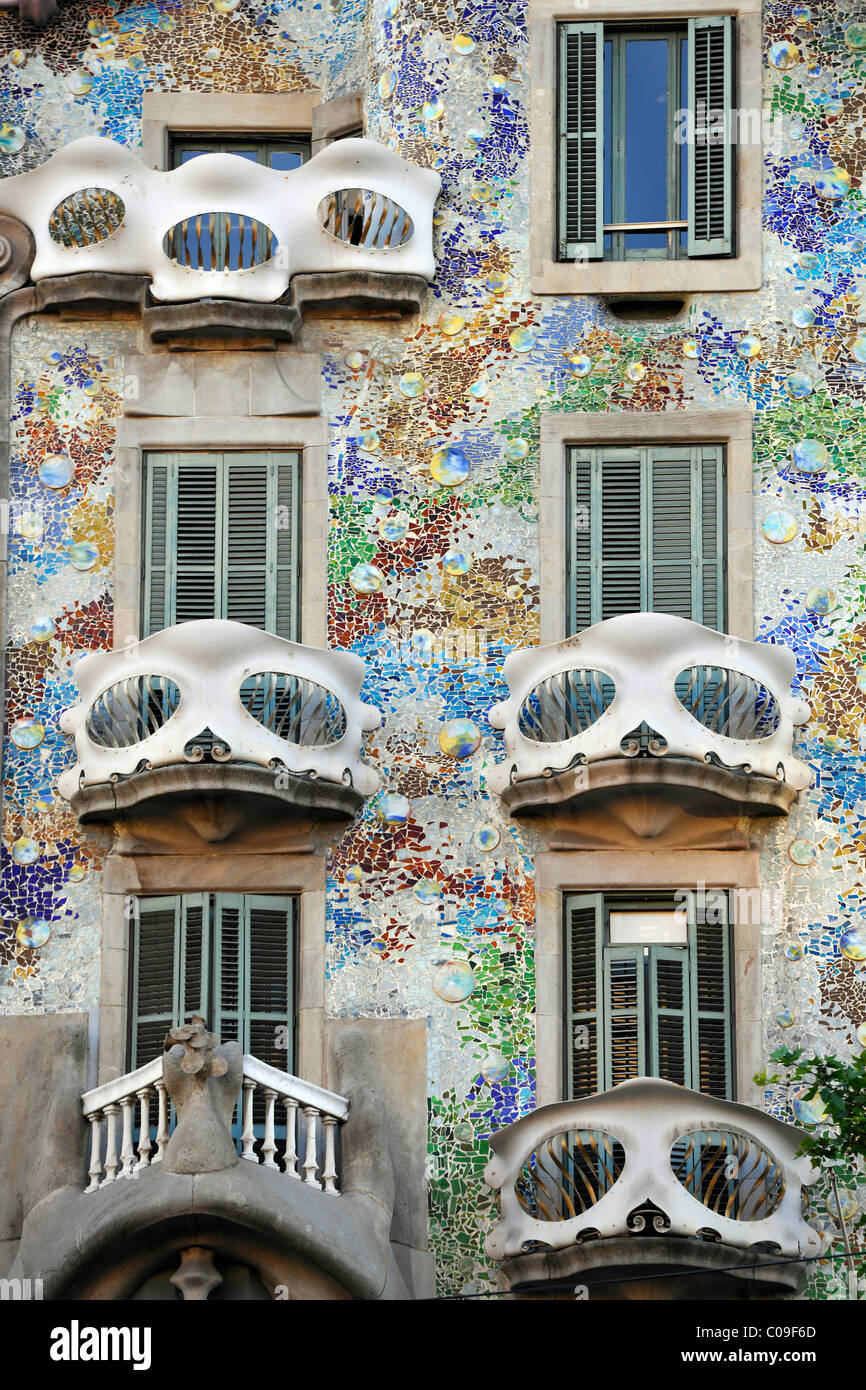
(353, 294)
(615, 1269)
(198, 321)
(92, 289)
(701, 789)
(216, 796)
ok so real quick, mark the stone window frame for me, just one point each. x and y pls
(558, 873)
(137, 436)
(588, 428)
(300, 875)
(743, 271)
(244, 113)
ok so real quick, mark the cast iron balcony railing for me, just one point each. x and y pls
(650, 697)
(135, 1113)
(221, 226)
(645, 1159)
(209, 698)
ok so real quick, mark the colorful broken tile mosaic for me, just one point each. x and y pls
(434, 549)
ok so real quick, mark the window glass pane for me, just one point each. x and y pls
(284, 159)
(645, 241)
(646, 131)
(649, 927)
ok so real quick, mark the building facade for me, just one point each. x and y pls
(434, 640)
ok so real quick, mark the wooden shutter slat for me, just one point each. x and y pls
(711, 160)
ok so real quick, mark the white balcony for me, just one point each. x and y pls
(131, 1121)
(218, 708)
(648, 1173)
(352, 225)
(650, 701)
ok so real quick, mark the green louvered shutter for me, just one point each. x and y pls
(253, 972)
(229, 973)
(170, 970)
(710, 970)
(710, 532)
(620, 535)
(579, 539)
(625, 1014)
(656, 534)
(671, 554)
(285, 488)
(244, 578)
(254, 980)
(669, 1009)
(581, 140)
(197, 556)
(160, 513)
(222, 540)
(583, 994)
(711, 158)
(270, 934)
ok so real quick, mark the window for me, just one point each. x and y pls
(630, 186)
(647, 984)
(221, 540)
(646, 532)
(283, 154)
(227, 956)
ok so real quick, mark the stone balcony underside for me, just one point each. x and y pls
(648, 710)
(218, 726)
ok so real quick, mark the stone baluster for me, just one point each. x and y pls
(329, 1172)
(269, 1147)
(95, 1171)
(248, 1136)
(291, 1165)
(112, 1112)
(310, 1164)
(162, 1121)
(144, 1144)
(127, 1151)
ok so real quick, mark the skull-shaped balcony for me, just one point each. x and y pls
(647, 1180)
(654, 708)
(224, 722)
(222, 246)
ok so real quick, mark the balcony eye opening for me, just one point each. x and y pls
(295, 709)
(220, 241)
(728, 703)
(364, 218)
(565, 705)
(731, 1174)
(131, 711)
(86, 217)
(568, 1174)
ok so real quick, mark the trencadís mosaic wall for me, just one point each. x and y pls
(434, 552)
